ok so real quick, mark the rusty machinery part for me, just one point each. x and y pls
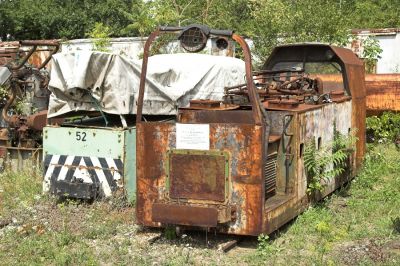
(194, 38)
(207, 104)
(29, 86)
(262, 169)
(30, 83)
(34, 45)
(271, 86)
(24, 77)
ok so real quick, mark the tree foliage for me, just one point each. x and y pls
(52, 19)
(267, 22)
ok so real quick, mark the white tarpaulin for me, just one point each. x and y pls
(88, 81)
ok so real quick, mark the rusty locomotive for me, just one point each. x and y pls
(237, 166)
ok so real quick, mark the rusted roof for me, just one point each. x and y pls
(347, 56)
(344, 54)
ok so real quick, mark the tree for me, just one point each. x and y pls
(50, 19)
(267, 22)
(375, 14)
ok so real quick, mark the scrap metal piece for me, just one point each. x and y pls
(227, 246)
(206, 104)
(184, 215)
(284, 103)
(78, 190)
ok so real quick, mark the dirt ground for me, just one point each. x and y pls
(108, 235)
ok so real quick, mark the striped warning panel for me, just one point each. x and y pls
(105, 173)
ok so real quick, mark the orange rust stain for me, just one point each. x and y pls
(383, 90)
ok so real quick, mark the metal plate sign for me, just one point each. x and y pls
(193, 136)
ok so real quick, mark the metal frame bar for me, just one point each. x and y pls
(253, 95)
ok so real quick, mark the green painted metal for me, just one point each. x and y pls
(116, 143)
(130, 164)
(99, 142)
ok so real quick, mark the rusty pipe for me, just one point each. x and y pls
(25, 59)
(290, 92)
(55, 50)
(253, 95)
(55, 44)
(146, 53)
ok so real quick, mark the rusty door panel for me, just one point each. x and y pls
(197, 176)
(240, 141)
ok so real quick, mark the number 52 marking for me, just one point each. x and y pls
(81, 136)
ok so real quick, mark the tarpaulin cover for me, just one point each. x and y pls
(5, 74)
(89, 81)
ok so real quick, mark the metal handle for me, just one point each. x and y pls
(227, 33)
(253, 95)
(170, 29)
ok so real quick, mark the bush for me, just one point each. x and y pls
(385, 128)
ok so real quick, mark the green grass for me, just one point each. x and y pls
(19, 190)
(354, 227)
(360, 213)
(58, 248)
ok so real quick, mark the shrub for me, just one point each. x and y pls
(384, 128)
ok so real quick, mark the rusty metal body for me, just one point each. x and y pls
(248, 176)
(24, 101)
(382, 91)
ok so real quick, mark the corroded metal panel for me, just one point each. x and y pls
(245, 179)
(198, 176)
(383, 92)
(318, 126)
(209, 116)
(185, 215)
(356, 81)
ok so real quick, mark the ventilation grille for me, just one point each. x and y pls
(270, 174)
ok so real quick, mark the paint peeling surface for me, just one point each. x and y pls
(318, 126)
(233, 148)
(63, 172)
(104, 157)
